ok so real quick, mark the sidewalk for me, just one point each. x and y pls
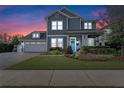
(62, 78)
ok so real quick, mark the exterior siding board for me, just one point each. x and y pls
(74, 24)
(94, 25)
(57, 17)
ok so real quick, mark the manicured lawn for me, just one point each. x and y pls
(64, 63)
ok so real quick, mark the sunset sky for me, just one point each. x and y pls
(25, 19)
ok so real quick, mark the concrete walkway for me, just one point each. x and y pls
(7, 59)
(62, 78)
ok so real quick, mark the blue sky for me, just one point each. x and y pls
(27, 18)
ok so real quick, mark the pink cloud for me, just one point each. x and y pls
(18, 23)
(15, 27)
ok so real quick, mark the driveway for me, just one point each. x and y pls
(62, 78)
(7, 59)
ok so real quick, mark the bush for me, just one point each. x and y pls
(69, 50)
(6, 47)
(98, 50)
(56, 51)
(56, 48)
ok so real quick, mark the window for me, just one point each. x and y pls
(54, 25)
(60, 26)
(35, 35)
(60, 42)
(27, 42)
(38, 42)
(87, 25)
(53, 42)
(57, 42)
(32, 42)
(57, 25)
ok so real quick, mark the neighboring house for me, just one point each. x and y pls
(64, 29)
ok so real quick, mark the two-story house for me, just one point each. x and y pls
(64, 29)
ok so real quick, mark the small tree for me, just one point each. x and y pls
(15, 40)
(116, 16)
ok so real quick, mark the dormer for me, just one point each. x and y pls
(35, 35)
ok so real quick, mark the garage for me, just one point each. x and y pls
(34, 42)
(35, 46)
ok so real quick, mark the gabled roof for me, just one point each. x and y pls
(66, 12)
(29, 36)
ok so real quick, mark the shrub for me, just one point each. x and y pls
(69, 50)
(6, 47)
(56, 48)
(56, 51)
(98, 50)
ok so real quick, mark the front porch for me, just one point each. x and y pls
(76, 41)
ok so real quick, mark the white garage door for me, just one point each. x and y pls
(35, 47)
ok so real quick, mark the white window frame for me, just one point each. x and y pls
(54, 25)
(53, 42)
(60, 42)
(38, 42)
(36, 35)
(57, 42)
(27, 42)
(87, 25)
(90, 25)
(32, 43)
(57, 25)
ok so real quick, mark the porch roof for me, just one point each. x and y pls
(89, 32)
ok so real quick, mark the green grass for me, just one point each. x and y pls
(64, 63)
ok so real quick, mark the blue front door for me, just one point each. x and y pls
(73, 43)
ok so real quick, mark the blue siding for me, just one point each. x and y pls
(74, 24)
(57, 17)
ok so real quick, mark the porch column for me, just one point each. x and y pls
(84, 40)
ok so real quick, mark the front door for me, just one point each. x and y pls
(73, 43)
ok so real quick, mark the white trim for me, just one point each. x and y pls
(67, 24)
(55, 35)
(67, 40)
(80, 23)
(56, 42)
(57, 11)
(75, 41)
(55, 27)
(33, 40)
(47, 39)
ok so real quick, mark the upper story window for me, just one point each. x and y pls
(35, 35)
(57, 25)
(87, 25)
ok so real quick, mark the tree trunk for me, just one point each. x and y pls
(122, 51)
